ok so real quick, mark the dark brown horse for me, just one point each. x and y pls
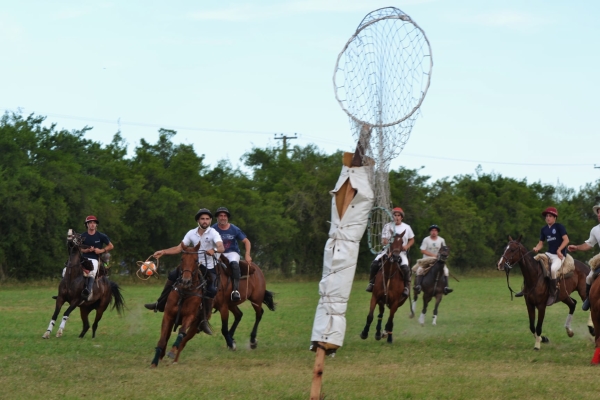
(432, 286)
(536, 286)
(595, 314)
(71, 287)
(253, 288)
(183, 304)
(388, 290)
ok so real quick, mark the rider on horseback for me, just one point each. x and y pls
(585, 246)
(230, 235)
(556, 236)
(430, 247)
(389, 230)
(210, 240)
(96, 242)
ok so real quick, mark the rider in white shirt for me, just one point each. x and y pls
(429, 248)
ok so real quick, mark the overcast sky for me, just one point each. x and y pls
(514, 83)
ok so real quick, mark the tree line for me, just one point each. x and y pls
(50, 179)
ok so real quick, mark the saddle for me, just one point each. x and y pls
(565, 271)
(425, 264)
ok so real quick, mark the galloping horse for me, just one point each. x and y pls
(183, 304)
(71, 286)
(252, 288)
(536, 289)
(595, 306)
(432, 286)
(388, 290)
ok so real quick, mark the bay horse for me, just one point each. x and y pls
(252, 288)
(184, 304)
(595, 307)
(535, 288)
(71, 287)
(432, 286)
(387, 290)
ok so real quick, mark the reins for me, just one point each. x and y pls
(508, 266)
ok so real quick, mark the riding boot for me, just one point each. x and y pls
(586, 304)
(207, 304)
(374, 268)
(235, 271)
(418, 284)
(446, 288)
(551, 292)
(406, 274)
(162, 299)
(519, 294)
(87, 290)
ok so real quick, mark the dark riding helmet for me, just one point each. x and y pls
(434, 226)
(203, 211)
(223, 210)
(90, 218)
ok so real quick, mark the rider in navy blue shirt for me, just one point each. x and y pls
(98, 244)
(556, 236)
(231, 234)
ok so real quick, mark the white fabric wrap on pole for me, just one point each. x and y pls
(340, 256)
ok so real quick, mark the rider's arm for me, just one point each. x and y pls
(428, 253)
(580, 247)
(247, 246)
(538, 246)
(220, 247)
(166, 252)
(564, 244)
(411, 241)
(106, 249)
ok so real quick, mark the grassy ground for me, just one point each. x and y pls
(480, 348)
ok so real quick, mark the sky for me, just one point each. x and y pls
(513, 87)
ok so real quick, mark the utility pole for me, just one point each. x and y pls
(285, 139)
(596, 166)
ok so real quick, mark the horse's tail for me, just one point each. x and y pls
(115, 291)
(268, 300)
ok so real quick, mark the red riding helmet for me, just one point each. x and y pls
(90, 218)
(399, 210)
(550, 210)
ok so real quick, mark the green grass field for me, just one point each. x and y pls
(480, 348)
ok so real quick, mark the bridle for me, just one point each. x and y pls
(508, 266)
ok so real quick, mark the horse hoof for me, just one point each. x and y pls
(363, 335)
(46, 335)
(171, 355)
(59, 333)
(378, 336)
(233, 347)
(536, 349)
(254, 345)
(384, 334)
(545, 339)
(389, 340)
(153, 365)
(411, 316)
(570, 332)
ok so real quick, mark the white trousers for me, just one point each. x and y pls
(446, 271)
(232, 256)
(588, 280)
(402, 257)
(555, 264)
(94, 271)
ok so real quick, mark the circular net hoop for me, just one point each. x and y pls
(379, 217)
(380, 80)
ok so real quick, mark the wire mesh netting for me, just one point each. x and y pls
(380, 79)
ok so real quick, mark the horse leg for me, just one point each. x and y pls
(538, 329)
(258, 312)
(426, 300)
(438, 300)
(59, 304)
(365, 332)
(84, 312)
(389, 326)
(65, 318)
(413, 305)
(595, 316)
(571, 303)
(237, 315)
(165, 333)
(224, 311)
(378, 334)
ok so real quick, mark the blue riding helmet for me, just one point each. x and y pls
(434, 227)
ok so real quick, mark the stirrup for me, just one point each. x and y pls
(152, 306)
(448, 290)
(520, 294)
(235, 294)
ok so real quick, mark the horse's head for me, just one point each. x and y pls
(74, 239)
(513, 253)
(189, 264)
(396, 246)
(443, 253)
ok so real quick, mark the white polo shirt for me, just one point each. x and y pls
(209, 240)
(386, 233)
(594, 236)
(432, 246)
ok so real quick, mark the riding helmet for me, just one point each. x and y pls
(596, 208)
(550, 210)
(434, 226)
(398, 210)
(203, 211)
(90, 218)
(224, 210)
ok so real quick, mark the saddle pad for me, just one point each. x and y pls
(567, 266)
(594, 262)
(426, 264)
